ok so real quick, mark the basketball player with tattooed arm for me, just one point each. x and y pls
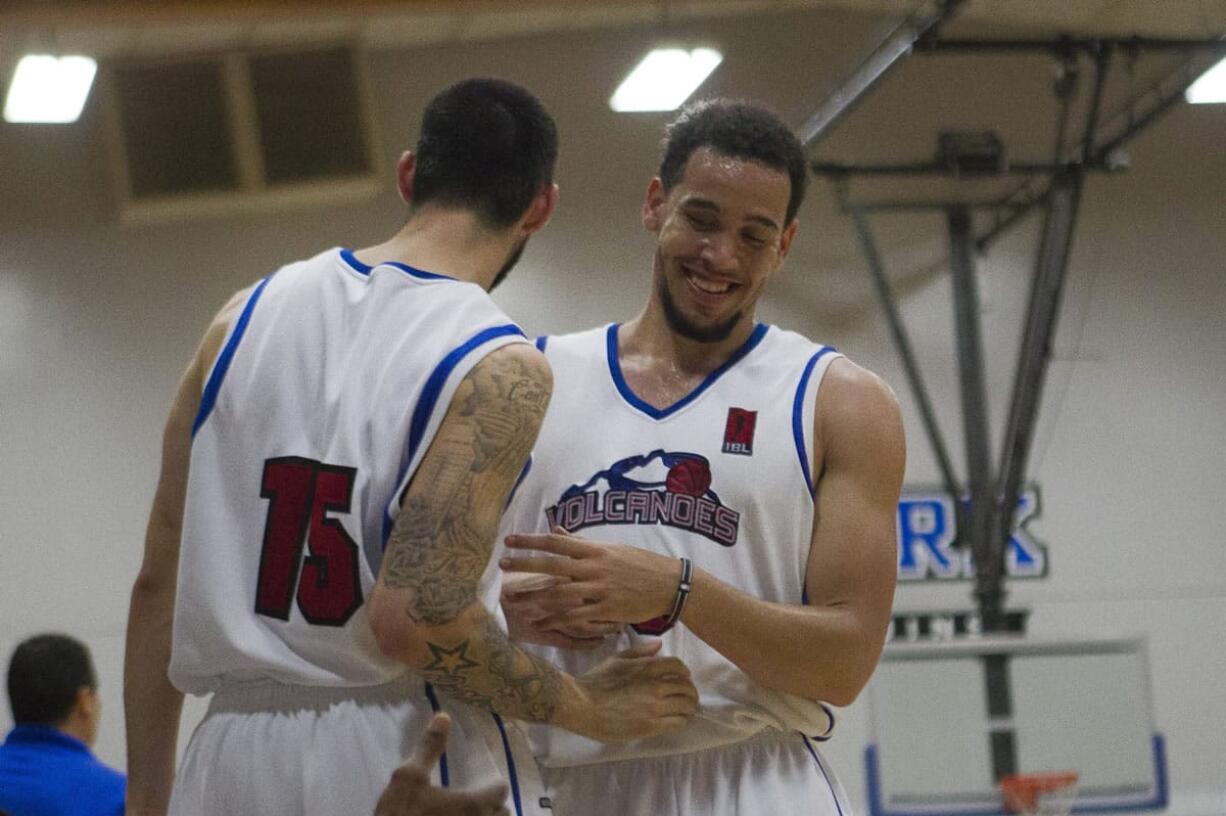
(318, 556)
(721, 486)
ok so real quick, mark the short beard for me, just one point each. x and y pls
(509, 264)
(685, 327)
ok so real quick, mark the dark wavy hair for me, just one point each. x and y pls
(740, 130)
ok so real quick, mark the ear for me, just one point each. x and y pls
(87, 701)
(785, 240)
(541, 210)
(406, 169)
(653, 205)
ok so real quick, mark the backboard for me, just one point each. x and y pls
(940, 740)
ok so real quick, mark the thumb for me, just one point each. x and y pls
(645, 649)
(490, 796)
(433, 742)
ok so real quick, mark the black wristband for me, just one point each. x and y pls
(660, 625)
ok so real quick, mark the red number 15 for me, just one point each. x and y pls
(302, 492)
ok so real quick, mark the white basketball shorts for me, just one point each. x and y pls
(278, 750)
(772, 772)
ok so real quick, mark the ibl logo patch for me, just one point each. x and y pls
(738, 431)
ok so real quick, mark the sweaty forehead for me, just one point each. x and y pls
(736, 186)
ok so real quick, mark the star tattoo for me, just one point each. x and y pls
(450, 661)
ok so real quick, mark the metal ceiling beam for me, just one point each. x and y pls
(1042, 312)
(902, 342)
(1161, 97)
(897, 44)
(981, 487)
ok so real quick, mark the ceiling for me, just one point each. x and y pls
(108, 27)
(789, 53)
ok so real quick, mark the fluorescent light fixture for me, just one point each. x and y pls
(664, 79)
(49, 89)
(1211, 87)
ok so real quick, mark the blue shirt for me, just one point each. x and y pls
(45, 772)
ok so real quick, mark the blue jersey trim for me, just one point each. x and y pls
(431, 392)
(417, 273)
(365, 269)
(833, 794)
(444, 777)
(506, 746)
(540, 343)
(209, 398)
(630, 397)
(438, 377)
(348, 257)
(798, 424)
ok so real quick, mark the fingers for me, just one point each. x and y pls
(645, 649)
(561, 567)
(669, 725)
(487, 801)
(559, 542)
(563, 641)
(565, 597)
(668, 667)
(433, 742)
(514, 583)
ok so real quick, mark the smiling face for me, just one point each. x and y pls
(721, 234)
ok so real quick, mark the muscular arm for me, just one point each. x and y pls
(825, 650)
(828, 649)
(424, 610)
(151, 704)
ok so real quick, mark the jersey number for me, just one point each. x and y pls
(302, 492)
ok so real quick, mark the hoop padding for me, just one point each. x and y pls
(1039, 794)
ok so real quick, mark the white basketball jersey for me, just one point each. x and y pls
(323, 400)
(722, 477)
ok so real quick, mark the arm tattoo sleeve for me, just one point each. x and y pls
(445, 534)
(486, 669)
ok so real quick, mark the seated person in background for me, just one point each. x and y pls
(46, 766)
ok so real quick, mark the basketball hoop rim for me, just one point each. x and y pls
(1021, 791)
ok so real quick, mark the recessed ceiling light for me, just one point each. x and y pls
(664, 79)
(1211, 87)
(49, 89)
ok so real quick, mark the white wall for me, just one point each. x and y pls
(1132, 431)
(96, 323)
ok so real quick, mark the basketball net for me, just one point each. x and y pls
(1039, 794)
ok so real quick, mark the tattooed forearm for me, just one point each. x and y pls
(443, 538)
(487, 669)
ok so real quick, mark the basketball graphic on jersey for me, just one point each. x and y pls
(670, 488)
(689, 476)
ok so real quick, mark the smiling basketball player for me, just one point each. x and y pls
(735, 485)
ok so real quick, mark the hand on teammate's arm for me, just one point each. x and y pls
(410, 792)
(598, 585)
(530, 607)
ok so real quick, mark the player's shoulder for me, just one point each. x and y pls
(578, 347)
(857, 399)
(515, 366)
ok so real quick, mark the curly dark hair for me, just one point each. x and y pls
(740, 130)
